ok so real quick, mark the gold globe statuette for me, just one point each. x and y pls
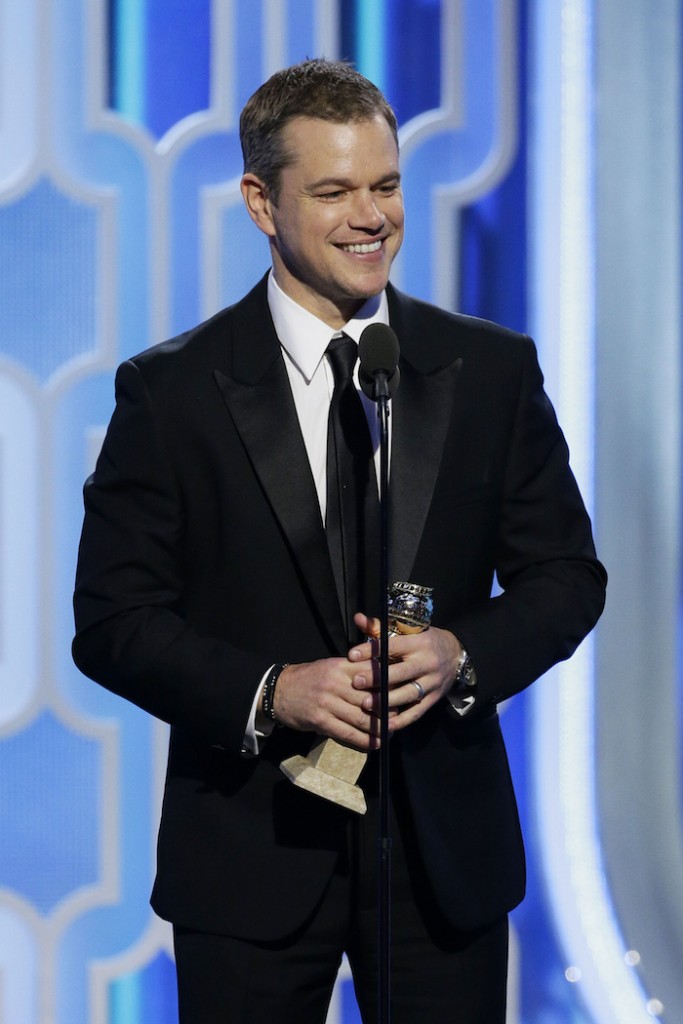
(331, 769)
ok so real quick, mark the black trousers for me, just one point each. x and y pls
(438, 974)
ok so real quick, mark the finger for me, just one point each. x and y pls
(404, 645)
(345, 720)
(364, 681)
(363, 741)
(367, 625)
(363, 652)
(412, 692)
(407, 716)
(361, 731)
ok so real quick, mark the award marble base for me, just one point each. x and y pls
(330, 770)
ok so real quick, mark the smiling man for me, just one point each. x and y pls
(335, 222)
(216, 590)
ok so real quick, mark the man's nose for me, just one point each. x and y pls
(365, 212)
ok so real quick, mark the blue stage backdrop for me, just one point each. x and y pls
(540, 148)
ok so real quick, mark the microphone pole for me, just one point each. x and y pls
(379, 378)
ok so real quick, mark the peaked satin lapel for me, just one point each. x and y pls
(260, 402)
(421, 413)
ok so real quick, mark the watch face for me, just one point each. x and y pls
(467, 674)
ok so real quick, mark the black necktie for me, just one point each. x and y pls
(352, 520)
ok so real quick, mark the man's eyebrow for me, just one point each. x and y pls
(394, 176)
(323, 182)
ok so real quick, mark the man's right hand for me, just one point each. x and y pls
(319, 697)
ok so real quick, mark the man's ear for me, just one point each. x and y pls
(257, 202)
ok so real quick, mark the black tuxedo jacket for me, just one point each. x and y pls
(203, 561)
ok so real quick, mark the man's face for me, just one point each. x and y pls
(338, 221)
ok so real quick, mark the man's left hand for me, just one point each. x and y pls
(421, 670)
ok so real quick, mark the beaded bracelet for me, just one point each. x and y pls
(268, 694)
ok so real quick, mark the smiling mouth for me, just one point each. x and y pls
(362, 247)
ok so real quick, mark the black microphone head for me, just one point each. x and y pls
(378, 352)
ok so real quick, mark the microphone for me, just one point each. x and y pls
(378, 351)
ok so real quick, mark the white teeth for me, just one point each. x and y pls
(364, 247)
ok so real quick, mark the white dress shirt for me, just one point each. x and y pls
(304, 339)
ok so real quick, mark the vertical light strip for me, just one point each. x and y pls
(126, 1001)
(274, 37)
(577, 272)
(129, 33)
(564, 770)
(638, 316)
(327, 20)
(371, 40)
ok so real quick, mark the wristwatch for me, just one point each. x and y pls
(462, 694)
(465, 676)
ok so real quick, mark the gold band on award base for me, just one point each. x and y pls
(331, 770)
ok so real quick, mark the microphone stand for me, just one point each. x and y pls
(384, 835)
(379, 377)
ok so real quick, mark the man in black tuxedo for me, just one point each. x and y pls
(206, 595)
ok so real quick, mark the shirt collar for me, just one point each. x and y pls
(304, 337)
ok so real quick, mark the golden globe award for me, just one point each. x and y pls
(331, 769)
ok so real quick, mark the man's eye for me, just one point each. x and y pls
(332, 195)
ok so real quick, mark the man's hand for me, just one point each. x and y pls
(429, 659)
(320, 697)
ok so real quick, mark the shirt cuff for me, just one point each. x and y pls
(462, 704)
(253, 736)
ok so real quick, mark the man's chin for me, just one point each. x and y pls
(364, 290)
(349, 305)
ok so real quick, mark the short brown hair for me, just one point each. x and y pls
(326, 89)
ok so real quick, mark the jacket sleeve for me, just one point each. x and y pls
(552, 585)
(132, 635)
